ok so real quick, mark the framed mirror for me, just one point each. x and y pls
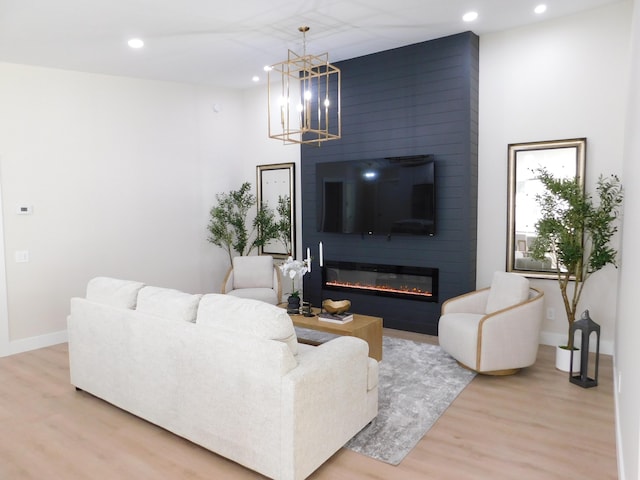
(563, 159)
(276, 188)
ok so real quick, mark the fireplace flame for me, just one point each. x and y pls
(405, 290)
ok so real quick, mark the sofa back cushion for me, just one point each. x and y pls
(114, 292)
(168, 303)
(255, 271)
(248, 316)
(507, 290)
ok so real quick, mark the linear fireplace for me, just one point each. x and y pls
(415, 283)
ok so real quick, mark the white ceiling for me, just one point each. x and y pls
(226, 42)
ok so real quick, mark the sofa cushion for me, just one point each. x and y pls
(114, 292)
(168, 303)
(248, 316)
(254, 271)
(507, 290)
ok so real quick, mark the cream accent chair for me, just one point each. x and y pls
(254, 277)
(495, 330)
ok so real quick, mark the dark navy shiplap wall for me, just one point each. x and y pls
(419, 99)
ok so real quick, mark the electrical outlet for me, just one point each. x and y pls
(551, 313)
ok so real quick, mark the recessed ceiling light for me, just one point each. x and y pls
(470, 16)
(256, 78)
(540, 9)
(135, 43)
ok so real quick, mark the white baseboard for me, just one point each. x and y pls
(33, 343)
(620, 451)
(555, 339)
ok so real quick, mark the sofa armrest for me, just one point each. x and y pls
(472, 302)
(331, 362)
(326, 401)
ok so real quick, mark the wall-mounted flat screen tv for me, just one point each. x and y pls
(387, 196)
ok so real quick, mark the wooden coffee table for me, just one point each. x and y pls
(365, 327)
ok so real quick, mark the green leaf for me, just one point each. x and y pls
(229, 225)
(576, 231)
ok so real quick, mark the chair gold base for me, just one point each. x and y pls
(493, 373)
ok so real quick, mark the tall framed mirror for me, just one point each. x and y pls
(563, 159)
(276, 189)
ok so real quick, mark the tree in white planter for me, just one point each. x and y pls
(577, 233)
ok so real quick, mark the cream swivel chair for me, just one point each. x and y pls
(495, 330)
(254, 277)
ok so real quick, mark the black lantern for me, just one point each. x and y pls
(586, 326)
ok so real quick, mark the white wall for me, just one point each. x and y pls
(627, 354)
(221, 141)
(121, 174)
(556, 79)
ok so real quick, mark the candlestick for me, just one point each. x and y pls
(321, 257)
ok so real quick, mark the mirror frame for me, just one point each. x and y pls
(272, 181)
(514, 150)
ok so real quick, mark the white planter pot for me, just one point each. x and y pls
(563, 359)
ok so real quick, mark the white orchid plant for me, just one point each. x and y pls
(294, 269)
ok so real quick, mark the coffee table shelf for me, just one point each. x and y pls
(366, 327)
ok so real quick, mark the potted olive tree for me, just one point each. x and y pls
(229, 227)
(576, 232)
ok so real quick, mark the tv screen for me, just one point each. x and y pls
(394, 195)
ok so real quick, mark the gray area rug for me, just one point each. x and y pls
(417, 383)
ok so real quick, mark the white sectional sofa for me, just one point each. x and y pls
(223, 372)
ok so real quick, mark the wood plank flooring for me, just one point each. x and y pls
(531, 426)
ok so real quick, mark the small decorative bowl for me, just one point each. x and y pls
(336, 306)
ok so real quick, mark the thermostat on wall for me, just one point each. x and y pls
(24, 209)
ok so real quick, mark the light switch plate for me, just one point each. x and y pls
(22, 256)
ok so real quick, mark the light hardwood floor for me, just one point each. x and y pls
(534, 425)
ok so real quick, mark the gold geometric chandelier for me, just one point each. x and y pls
(304, 100)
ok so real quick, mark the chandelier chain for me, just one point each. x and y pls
(304, 29)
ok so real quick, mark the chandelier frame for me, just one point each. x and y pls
(316, 84)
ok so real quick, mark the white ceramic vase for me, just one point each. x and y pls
(563, 359)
